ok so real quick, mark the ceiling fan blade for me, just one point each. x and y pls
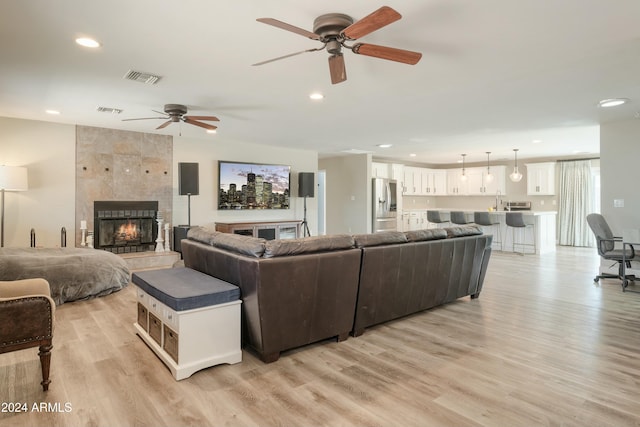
(165, 124)
(286, 56)
(390, 53)
(289, 27)
(337, 68)
(202, 125)
(208, 118)
(372, 22)
(144, 118)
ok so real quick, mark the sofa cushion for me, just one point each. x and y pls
(202, 235)
(307, 245)
(466, 230)
(245, 245)
(379, 239)
(428, 234)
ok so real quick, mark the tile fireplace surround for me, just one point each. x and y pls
(121, 165)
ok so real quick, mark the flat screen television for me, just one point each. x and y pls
(253, 186)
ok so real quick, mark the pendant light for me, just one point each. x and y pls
(463, 177)
(515, 176)
(489, 177)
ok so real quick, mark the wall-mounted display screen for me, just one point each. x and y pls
(253, 186)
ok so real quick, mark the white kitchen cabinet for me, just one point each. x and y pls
(455, 185)
(412, 184)
(541, 179)
(497, 186)
(434, 182)
(476, 183)
(479, 185)
(406, 221)
(415, 221)
(380, 170)
(397, 173)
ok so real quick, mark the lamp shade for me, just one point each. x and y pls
(13, 178)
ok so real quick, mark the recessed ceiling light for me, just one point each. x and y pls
(613, 102)
(316, 96)
(54, 112)
(385, 145)
(536, 141)
(87, 42)
(412, 155)
(212, 131)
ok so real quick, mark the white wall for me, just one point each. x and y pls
(207, 153)
(48, 152)
(619, 156)
(348, 187)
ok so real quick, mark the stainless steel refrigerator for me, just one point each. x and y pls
(384, 205)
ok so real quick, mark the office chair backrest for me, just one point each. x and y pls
(602, 231)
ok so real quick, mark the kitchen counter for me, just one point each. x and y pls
(543, 232)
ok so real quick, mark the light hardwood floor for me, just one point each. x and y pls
(543, 345)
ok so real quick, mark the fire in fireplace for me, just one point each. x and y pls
(125, 226)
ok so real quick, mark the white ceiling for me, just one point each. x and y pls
(495, 74)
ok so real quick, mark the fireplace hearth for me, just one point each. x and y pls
(125, 226)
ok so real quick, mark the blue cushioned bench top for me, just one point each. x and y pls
(184, 288)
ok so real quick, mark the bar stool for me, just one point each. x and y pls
(460, 218)
(437, 218)
(484, 219)
(516, 220)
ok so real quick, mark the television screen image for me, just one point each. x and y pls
(253, 186)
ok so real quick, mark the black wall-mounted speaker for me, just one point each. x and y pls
(305, 184)
(188, 179)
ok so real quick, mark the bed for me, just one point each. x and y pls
(73, 273)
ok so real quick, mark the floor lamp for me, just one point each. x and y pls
(12, 178)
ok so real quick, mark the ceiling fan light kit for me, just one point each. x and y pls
(335, 29)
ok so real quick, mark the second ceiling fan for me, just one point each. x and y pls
(175, 113)
(334, 30)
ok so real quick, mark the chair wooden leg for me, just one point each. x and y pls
(45, 363)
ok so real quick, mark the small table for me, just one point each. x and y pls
(189, 319)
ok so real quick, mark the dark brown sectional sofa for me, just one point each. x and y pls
(296, 292)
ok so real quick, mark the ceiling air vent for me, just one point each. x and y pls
(109, 110)
(139, 76)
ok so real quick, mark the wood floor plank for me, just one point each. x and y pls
(543, 345)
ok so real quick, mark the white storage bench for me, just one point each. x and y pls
(189, 319)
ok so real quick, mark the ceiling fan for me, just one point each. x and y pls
(335, 29)
(176, 113)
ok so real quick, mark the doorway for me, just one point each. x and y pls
(322, 206)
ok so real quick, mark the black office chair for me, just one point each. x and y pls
(605, 243)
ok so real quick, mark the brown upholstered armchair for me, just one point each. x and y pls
(26, 319)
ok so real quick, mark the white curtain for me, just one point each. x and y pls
(576, 202)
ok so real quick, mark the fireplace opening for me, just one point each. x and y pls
(124, 227)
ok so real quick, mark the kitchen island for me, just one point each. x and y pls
(544, 224)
